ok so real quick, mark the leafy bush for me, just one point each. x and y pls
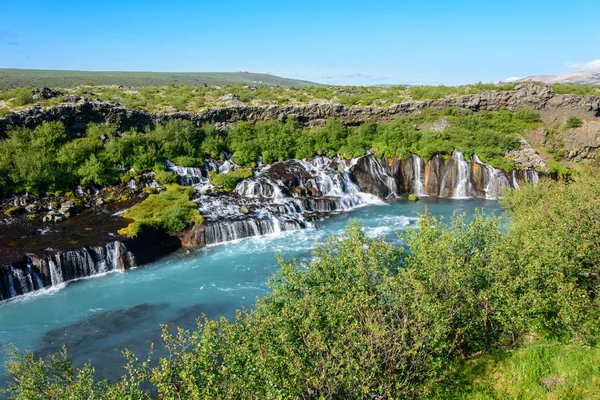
(574, 122)
(367, 319)
(171, 211)
(229, 180)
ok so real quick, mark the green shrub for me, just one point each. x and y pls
(229, 180)
(171, 211)
(14, 211)
(165, 177)
(574, 122)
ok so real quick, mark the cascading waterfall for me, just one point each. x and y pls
(378, 172)
(271, 207)
(515, 181)
(188, 176)
(462, 182)
(531, 176)
(418, 187)
(494, 180)
(62, 267)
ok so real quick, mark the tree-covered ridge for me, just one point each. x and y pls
(194, 98)
(46, 159)
(366, 319)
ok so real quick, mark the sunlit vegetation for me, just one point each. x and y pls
(186, 97)
(171, 211)
(46, 159)
(470, 308)
(229, 180)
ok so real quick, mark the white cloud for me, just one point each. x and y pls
(511, 79)
(594, 64)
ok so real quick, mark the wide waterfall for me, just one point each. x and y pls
(270, 201)
(61, 267)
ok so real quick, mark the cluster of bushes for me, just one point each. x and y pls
(46, 159)
(487, 134)
(229, 181)
(369, 320)
(170, 211)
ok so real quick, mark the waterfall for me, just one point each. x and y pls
(378, 172)
(515, 181)
(271, 206)
(461, 188)
(187, 176)
(230, 230)
(418, 186)
(494, 180)
(531, 176)
(56, 275)
(65, 266)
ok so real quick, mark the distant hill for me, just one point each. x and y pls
(12, 78)
(582, 77)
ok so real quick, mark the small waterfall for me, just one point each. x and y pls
(461, 188)
(379, 173)
(230, 230)
(188, 176)
(56, 274)
(418, 186)
(16, 281)
(515, 181)
(494, 180)
(531, 176)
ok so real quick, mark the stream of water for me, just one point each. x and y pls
(96, 318)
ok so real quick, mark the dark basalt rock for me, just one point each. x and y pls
(366, 180)
(291, 173)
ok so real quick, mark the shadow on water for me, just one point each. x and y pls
(102, 337)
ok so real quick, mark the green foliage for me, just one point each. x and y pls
(574, 122)
(366, 319)
(553, 245)
(229, 180)
(171, 211)
(544, 369)
(527, 115)
(54, 378)
(11, 212)
(242, 141)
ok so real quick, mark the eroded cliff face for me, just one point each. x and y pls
(79, 112)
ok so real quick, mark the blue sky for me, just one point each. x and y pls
(338, 42)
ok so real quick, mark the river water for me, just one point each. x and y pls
(96, 318)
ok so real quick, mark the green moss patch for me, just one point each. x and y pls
(171, 211)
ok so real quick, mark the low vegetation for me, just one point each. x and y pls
(481, 308)
(171, 211)
(186, 95)
(46, 159)
(229, 180)
(546, 369)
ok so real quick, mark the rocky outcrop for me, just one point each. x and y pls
(527, 156)
(79, 112)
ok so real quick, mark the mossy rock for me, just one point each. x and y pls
(11, 212)
(413, 197)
